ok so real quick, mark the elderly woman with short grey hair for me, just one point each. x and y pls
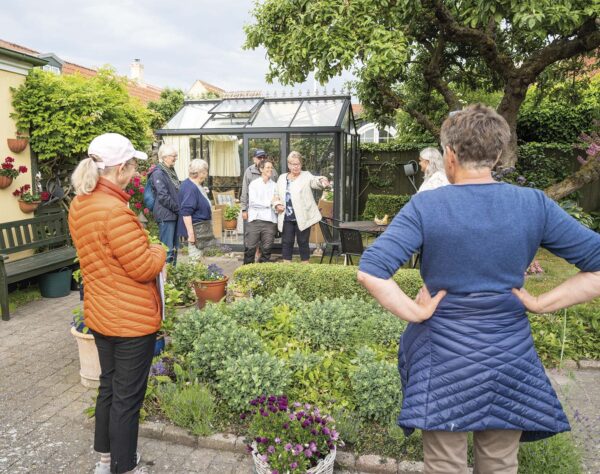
(165, 183)
(467, 361)
(195, 210)
(432, 166)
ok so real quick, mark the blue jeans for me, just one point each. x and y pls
(167, 233)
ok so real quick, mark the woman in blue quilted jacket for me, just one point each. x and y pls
(467, 361)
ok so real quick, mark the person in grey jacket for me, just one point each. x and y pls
(166, 204)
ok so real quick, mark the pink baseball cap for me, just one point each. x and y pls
(113, 149)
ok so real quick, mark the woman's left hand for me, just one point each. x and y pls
(426, 303)
(531, 303)
(325, 182)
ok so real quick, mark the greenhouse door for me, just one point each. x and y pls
(272, 143)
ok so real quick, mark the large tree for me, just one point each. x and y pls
(406, 54)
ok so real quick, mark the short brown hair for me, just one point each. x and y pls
(477, 134)
(262, 163)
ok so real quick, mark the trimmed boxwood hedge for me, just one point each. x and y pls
(381, 204)
(318, 281)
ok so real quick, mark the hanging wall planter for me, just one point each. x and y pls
(28, 207)
(5, 181)
(17, 145)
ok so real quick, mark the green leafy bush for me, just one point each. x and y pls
(394, 146)
(219, 341)
(381, 204)
(543, 164)
(376, 388)
(251, 374)
(381, 327)
(248, 311)
(190, 406)
(190, 325)
(313, 282)
(577, 212)
(555, 454)
(181, 277)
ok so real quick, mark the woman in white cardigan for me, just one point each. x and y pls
(296, 206)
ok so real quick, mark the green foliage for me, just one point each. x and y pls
(348, 424)
(556, 117)
(221, 339)
(381, 204)
(191, 324)
(249, 311)
(555, 454)
(544, 164)
(376, 388)
(169, 103)
(576, 212)
(231, 212)
(318, 281)
(381, 328)
(23, 296)
(64, 113)
(250, 375)
(181, 277)
(395, 146)
(189, 406)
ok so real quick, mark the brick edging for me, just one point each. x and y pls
(371, 463)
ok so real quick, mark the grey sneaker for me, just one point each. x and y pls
(102, 468)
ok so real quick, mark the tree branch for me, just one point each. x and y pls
(483, 41)
(587, 38)
(588, 173)
(433, 75)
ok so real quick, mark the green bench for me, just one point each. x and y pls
(50, 233)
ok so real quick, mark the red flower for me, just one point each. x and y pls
(16, 192)
(26, 188)
(45, 195)
(131, 192)
(22, 169)
(9, 160)
(7, 166)
(146, 210)
(138, 205)
(136, 182)
(141, 189)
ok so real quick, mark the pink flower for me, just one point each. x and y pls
(22, 169)
(131, 192)
(138, 205)
(146, 210)
(141, 189)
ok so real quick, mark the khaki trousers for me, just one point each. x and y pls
(494, 452)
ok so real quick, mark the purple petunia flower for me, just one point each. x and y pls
(325, 430)
(286, 426)
(277, 440)
(271, 449)
(308, 453)
(287, 447)
(294, 465)
(264, 458)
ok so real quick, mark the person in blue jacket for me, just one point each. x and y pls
(166, 184)
(467, 361)
(195, 214)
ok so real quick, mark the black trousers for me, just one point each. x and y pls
(291, 233)
(125, 364)
(259, 234)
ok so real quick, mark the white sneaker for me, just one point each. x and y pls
(102, 468)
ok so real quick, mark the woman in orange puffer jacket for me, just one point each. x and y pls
(121, 303)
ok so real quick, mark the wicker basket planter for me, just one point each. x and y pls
(325, 466)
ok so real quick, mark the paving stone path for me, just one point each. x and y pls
(43, 429)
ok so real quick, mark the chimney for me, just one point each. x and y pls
(136, 71)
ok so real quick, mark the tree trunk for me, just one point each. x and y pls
(588, 173)
(514, 95)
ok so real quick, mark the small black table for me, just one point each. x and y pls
(368, 227)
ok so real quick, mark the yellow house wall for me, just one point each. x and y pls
(9, 207)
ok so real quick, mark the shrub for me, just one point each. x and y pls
(190, 325)
(327, 324)
(313, 282)
(376, 388)
(250, 375)
(543, 164)
(381, 327)
(222, 340)
(381, 204)
(191, 406)
(348, 424)
(555, 454)
(248, 311)
(181, 277)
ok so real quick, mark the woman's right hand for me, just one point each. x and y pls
(531, 303)
(279, 208)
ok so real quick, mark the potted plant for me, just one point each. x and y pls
(17, 145)
(8, 172)
(89, 361)
(181, 277)
(296, 438)
(210, 283)
(230, 216)
(28, 200)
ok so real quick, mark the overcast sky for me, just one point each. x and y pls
(177, 41)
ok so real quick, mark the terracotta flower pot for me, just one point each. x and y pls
(28, 207)
(88, 359)
(5, 181)
(230, 225)
(17, 145)
(210, 291)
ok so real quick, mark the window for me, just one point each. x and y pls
(52, 69)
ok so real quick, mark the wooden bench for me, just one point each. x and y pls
(49, 233)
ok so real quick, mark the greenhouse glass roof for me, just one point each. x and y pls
(327, 113)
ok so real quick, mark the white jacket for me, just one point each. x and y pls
(436, 180)
(305, 208)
